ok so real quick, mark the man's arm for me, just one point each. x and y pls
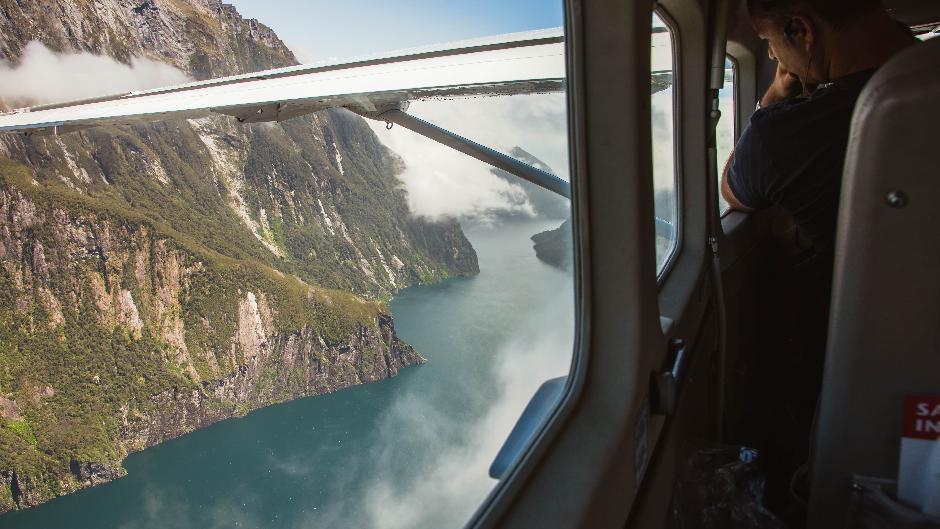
(785, 86)
(726, 189)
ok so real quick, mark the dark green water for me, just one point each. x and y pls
(412, 451)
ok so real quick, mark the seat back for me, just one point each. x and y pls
(884, 329)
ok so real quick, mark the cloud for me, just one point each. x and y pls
(725, 135)
(44, 76)
(725, 128)
(441, 182)
(291, 466)
(163, 507)
(301, 51)
(160, 508)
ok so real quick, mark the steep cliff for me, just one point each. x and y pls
(155, 279)
(554, 246)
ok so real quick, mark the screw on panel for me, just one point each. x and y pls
(896, 199)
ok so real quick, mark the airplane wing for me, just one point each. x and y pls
(532, 62)
(378, 87)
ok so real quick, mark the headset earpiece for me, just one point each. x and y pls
(789, 31)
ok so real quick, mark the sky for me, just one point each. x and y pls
(317, 30)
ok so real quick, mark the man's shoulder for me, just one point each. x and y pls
(827, 107)
(798, 123)
(782, 111)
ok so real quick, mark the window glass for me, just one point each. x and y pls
(663, 136)
(726, 126)
(318, 322)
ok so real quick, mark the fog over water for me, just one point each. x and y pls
(412, 451)
(530, 343)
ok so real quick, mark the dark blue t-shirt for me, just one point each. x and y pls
(792, 153)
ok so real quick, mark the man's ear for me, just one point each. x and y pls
(800, 31)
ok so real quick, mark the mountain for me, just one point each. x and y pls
(554, 246)
(158, 278)
(544, 203)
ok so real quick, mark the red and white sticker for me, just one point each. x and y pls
(920, 431)
(922, 417)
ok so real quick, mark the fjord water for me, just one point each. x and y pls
(412, 451)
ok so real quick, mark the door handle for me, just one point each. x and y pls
(667, 384)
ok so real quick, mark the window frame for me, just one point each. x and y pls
(736, 123)
(675, 42)
(733, 221)
(678, 276)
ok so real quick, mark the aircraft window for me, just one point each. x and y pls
(374, 307)
(663, 135)
(726, 133)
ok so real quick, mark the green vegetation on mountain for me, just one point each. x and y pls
(71, 373)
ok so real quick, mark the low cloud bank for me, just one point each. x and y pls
(44, 76)
(442, 183)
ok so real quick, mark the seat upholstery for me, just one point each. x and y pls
(884, 330)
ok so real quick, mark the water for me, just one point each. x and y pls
(412, 451)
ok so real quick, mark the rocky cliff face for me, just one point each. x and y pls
(555, 246)
(155, 279)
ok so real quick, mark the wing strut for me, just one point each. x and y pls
(471, 148)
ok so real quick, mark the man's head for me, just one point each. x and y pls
(798, 31)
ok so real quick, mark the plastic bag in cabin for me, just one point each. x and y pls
(721, 488)
(874, 506)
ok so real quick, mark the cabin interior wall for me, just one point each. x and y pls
(689, 428)
(686, 293)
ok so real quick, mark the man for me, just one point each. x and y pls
(792, 152)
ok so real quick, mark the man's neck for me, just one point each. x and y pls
(865, 43)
